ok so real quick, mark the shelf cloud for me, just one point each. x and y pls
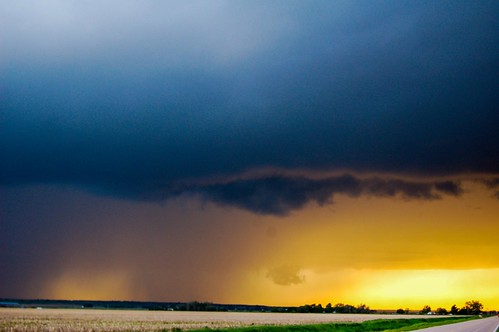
(279, 195)
(217, 150)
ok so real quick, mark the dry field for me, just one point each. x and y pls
(137, 320)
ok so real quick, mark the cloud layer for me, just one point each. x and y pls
(153, 94)
(243, 119)
(280, 194)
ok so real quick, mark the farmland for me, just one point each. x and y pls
(141, 320)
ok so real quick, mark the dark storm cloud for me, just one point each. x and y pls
(127, 98)
(449, 187)
(279, 194)
(492, 184)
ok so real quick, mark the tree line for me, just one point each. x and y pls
(338, 308)
(470, 308)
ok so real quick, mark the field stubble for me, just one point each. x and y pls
(137, 320)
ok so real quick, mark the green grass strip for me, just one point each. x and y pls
(385, 325)
(431, 323)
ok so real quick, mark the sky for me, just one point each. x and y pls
(257, 152)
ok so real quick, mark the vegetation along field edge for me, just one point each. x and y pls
(392, 325)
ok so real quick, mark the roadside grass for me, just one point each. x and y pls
(381, 325)
(431, 323)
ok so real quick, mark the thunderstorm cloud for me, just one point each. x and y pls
(278, 195)
(173, 150)
(125, 98)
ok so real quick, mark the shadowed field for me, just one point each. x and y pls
(136, 320)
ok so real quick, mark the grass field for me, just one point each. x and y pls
(137, 320)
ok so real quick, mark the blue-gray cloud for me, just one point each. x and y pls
(281, 194)
(128, 97)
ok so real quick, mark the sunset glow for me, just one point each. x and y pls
(387, 253)
(274, 153)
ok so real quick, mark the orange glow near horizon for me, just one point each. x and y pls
(437, 288)
(90, 285)
(388, 253)
(387, 289)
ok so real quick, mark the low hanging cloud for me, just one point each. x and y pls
(280, 194)
(286, 275)
(493, 185)
(166, 93)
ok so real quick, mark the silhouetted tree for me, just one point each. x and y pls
(441, 311)
(337, 308)
(400, 311)
(473, 307)
(344, 308)
(362, 309)
(317, 308)
(462, 311)
(426, 309)
(454, 310)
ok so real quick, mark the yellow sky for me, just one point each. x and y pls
(388, 253)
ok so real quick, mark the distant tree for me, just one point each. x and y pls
(310, 308)
(342, 308)
(338, 308)
(349, 309)
(400, 311)
(426, 309)
(473, 307)
(362, 309)
(463, 311)
(454, 310)
(441, 311)
(306, 308)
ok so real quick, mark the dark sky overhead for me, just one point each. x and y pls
(258, 110)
